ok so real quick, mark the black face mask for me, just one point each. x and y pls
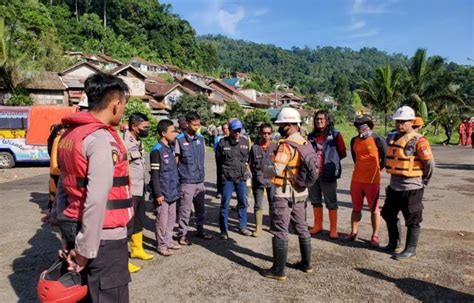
(282, 131)
(142, 133)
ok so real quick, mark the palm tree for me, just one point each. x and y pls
(10, 63)
(382, 91)
(428, 85)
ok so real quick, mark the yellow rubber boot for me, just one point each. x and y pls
(318, 221)
(258, 223)
(133, 268)
(136, 247)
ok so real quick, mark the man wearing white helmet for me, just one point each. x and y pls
(288, 205)
(410, 163)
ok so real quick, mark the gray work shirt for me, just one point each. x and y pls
(136, 160)
(97, 149)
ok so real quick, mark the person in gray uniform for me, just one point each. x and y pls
(94, 204)
(138, 127)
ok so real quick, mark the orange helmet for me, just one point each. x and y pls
(418, 122)
(58, 285)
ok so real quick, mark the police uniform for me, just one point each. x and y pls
(94, 204)
(191, 152)
(164, 183)
(137, 176)
(410, 163)
(232, 160)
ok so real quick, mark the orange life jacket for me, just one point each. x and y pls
(398, 163)
(73, 164)
(292, 168)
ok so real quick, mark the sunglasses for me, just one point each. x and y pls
(238, 130)
(266, 133)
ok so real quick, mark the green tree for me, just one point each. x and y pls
(136, 105)
(428, 84)
(356, 102)
(232, 110)
(199, 103)
(382, 91)
(342, 91)
(253, 119)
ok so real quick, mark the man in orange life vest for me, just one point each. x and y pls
(288, 205)
(410, 163)
(94, 203)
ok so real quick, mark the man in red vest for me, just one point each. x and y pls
(94, 202)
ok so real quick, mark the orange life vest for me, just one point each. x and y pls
(398, 163)
(292, 168)
(73, 164)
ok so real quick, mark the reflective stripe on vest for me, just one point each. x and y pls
(119, 207)
(398, 163)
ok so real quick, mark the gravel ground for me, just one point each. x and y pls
(219, 271)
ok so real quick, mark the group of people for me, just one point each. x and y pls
(99, 202)
(465, 132)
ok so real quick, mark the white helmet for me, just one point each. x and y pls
(288, 115)
(404, 113)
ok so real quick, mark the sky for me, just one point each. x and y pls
(443, 27)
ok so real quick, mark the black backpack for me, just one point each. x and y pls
(308, 172)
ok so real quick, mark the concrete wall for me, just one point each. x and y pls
(54, 97)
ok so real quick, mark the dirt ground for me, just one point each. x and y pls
(219, 271)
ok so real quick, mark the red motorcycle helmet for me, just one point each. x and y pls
(59, 285)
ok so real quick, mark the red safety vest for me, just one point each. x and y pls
(73, 164)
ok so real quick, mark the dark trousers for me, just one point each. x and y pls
(136, 223)
(409, 202)
(107, 275)
(258, 193)
(283, 213)
(448, 138)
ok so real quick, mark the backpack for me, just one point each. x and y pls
(308, 172)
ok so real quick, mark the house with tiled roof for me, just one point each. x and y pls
(74, 77)
(148, 67)
(102, 62)
(196, 86)
(230, 94)
(47, 88)
(134, 78)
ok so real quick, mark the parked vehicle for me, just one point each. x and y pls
(24, 132)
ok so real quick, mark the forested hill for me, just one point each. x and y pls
(309, 69)
(37, 32)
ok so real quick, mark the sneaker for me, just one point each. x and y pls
(349, 237)
(374, 242)
(224, 237)
(245, 232)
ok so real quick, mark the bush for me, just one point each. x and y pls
(136, 105)
(19, 98)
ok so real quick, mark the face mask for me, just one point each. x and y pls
(364, 131)
(142, 133)
(282, 131)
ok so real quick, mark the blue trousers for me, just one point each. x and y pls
(240, 188)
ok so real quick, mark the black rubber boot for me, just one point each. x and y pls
(280, 255)
(394, 234)
(413, 234)
(305, 250)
